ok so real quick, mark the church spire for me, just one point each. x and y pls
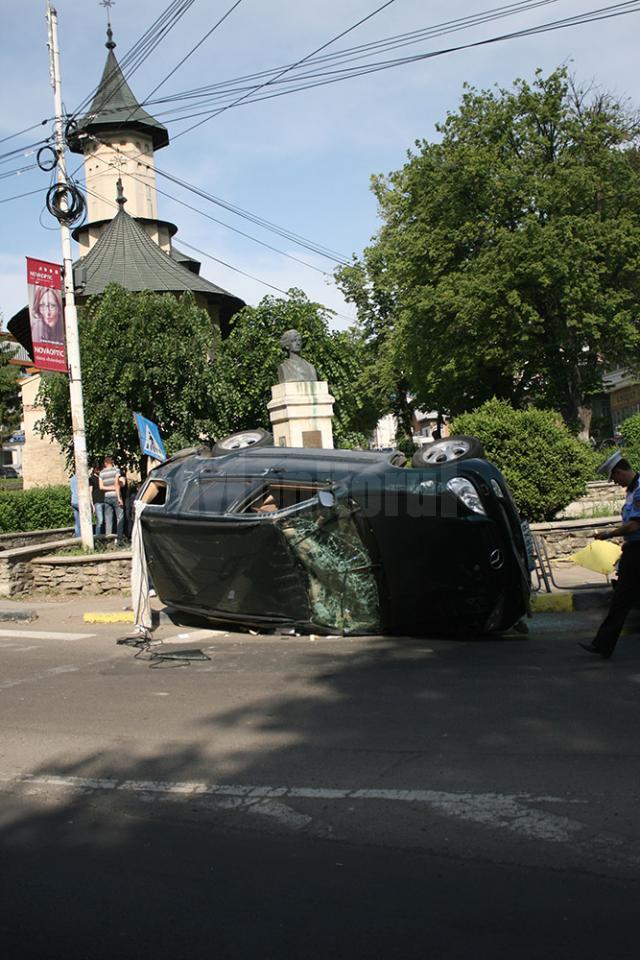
(115, 109)
(107, 4)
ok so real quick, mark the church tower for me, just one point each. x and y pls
(118, 139)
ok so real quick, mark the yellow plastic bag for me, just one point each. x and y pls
(599, 556)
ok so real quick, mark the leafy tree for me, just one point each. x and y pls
(9, 393)
(147, 352)
(246, 366)
(545, 466)
(507, 261)
(160, 356)
(10, 401)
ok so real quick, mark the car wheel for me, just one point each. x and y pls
(448, 450)
(242, 439)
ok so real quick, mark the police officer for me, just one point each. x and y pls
(627, 590)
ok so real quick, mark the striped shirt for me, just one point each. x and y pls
(108, 476)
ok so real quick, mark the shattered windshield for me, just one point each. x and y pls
(343, 594)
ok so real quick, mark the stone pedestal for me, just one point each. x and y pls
(301, 412)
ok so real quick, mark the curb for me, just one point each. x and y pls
(571, 601)
(120, 616)
(125, 616)
(6, 615)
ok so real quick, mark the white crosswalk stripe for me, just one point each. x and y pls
(43, 635)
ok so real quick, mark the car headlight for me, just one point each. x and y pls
(467, 493)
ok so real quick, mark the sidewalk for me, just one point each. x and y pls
(113, 608)
(574, 588)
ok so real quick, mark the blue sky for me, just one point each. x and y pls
(302, 161)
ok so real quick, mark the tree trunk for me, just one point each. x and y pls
(585, 414)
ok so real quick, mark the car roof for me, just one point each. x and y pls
(295, 463)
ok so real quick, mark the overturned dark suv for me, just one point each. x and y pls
(337, 541)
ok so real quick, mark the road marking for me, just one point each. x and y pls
(515, 813)
(192, 636)
(45, 635)
(52, 672)
(20, 646)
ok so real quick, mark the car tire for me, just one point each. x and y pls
(241, 440)
(448, 450)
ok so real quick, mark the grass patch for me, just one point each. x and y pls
(77, 550)
(598, 510)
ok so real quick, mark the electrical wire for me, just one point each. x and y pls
(367, 49)
(265, 283)
(330, 77)
(286, 234)
(222, 223)
(141, 50)
(18, 171)
(313, 77)
(258, 221)
(19, 133)
(229, 266)
(194, 48)
(286, 70)
(19, 196)
(25, 151)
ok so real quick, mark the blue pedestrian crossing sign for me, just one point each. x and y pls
(150, 439)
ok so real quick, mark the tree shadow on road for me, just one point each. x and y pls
(116, 863)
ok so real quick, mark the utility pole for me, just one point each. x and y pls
(70, 313)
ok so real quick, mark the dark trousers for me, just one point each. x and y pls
(113, 517)
(625, 594)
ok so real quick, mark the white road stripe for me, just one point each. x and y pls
(44, 635)
(52, 672)
(515, 813)
(20, 646)
(193, 636)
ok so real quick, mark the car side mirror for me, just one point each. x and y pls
(326, 499)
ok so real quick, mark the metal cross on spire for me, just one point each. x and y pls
(107, 4)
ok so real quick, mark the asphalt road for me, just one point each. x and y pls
(301, 797)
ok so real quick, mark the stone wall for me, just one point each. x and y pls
(563, 538)
(91, 576)
(599, 493)
(36, 568)
(9, 541)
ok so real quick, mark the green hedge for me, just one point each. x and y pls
(544, 465)
(630, 432)
(41, 508)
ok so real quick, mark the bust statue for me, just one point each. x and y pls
(295, 367)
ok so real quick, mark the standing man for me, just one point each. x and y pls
(97, 498)
(110, 482)
(627, 590)
(73, 484)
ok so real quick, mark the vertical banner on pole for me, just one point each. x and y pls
(45, 312)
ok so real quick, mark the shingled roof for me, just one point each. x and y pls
(125, 254)
(114, 108)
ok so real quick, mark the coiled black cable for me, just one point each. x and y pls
(47, 158)
(66, 202)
